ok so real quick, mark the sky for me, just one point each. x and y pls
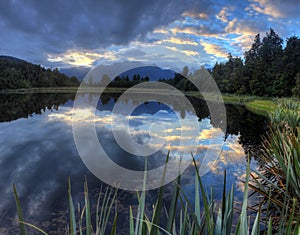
(187, 32)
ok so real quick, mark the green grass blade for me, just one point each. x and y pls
(142, 199)
(173, 206)
(97, 212)
(184, 222)
(108, 209)
(131, 223)
(159, 204)
(88, 222)
(242, 227)
(269, 232)
(197, 201)
(291, 219)
(72, 210)
(20, 213)
(255, 227)
(209, 223)
(34, 227)
(103, 208)
(114, 226)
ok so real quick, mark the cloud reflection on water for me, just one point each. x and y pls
(39, 154)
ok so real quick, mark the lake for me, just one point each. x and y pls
(38, 153)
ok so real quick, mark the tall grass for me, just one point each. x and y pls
(191, 220)
(279, 179)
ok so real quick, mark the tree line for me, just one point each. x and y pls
(16, 73)
(268, 68)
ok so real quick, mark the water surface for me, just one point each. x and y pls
(38, 154)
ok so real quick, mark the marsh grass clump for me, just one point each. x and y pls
(279, 179)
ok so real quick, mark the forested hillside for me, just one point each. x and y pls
(270, 68)
(16, 73)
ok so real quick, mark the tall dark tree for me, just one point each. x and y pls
(296, 89)
(271, 54)
(291, 62)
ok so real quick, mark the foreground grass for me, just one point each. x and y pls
(202, 218)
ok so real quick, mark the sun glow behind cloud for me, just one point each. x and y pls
(80, 57)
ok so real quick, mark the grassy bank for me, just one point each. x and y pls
(259, 105)
(40, 90)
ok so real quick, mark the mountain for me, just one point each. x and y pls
(11, 59)
(78, 72)
(154, 73)
(131, 68)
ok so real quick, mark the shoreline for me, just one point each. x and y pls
(258, 105)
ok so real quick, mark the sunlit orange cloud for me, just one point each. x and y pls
(268, 7)
(223, 14)
(187, 52)
(169, 130)
(161, 30)
(80, 58)
(242, 27)
(184, 128)
(214, 49)
(200, 15)
(80, 115)
(140, 132)
(244, 42)
(245, 29)
(190, 53)
(182, 149)
(179, 41)
(195, 32)
(176, 137)
(210, 134)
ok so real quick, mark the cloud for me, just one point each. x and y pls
(283, 9)
(223, 15)
(245, 27)
(214, 49)
(198, 30)
(190, 52)
(200, 15)
(180, 41)
(55, 27)
(245, 30)
(186, 52)
(57, 34)
(243, 42)
(79, 58)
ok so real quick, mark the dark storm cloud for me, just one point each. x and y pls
(58, 25)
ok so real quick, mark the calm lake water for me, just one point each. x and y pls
(38, 154)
